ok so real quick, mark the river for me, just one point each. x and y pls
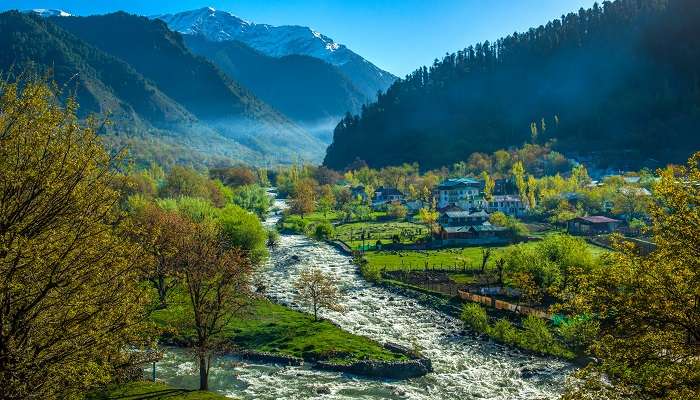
(465, 368)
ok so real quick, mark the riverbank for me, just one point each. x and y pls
(152, 391)
(273, 333)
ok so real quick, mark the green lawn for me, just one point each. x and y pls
(274, 328)
(152, 391)
(455, 258)
(352, 233)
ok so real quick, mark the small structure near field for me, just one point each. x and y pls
(593, 225)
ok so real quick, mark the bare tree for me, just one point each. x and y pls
(317, 290)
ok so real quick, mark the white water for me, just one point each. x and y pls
(465, 368)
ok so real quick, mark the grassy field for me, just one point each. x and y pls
(457, 259)
(152, 391)
(274, 328)
(351, 233)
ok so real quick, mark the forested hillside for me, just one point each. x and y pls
(308, 90)
(611, 82)
(162, 57)
(165, 103)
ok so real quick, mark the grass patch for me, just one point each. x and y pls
(152, 391)
(457, 259)
(274, 328)
(408, 232)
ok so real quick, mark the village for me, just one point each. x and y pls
(505, 243)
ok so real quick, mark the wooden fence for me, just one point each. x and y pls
(502, 305)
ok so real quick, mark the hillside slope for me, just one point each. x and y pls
(309, 91)
(161, 56)
(619, 84)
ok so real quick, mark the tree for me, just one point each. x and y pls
(485, 255)
(303, 198)
(235, 176)
(253, 198)
(398, 210)
(184, 182)
(647, 305)
(489, 185)
(70, 303)
(428, 217)
(518, 173)
(158, 231)
(317, 290)
(326, 201)
(216, 277)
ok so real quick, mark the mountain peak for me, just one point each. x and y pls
(49, 12)
(275, 41)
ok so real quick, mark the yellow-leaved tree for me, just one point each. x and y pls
(69, 302)
(648, 306)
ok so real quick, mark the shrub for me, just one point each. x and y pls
(504, 332)
(474, 317)
(579, 332)
(273, 237)
(323, 230)
(536, 336)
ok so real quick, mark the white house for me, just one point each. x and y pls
(508, 204)
(465, 193)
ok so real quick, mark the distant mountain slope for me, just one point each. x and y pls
(621, 83)
(280, 41)
(310, 91)
(161, 56)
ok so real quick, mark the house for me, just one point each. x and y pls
(465, 228)
(465, 193)
(592, 225)
(508, 204)
(385, 195)
(461, 218)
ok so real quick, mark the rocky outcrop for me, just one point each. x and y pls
(381, 369)
(272, 358)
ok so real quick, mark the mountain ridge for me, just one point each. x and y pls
(279, 41)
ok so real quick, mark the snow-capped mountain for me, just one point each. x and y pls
(46, 12)
(280, 41)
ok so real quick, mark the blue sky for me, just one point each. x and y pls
(396, 35)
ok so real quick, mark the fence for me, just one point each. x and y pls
(502, 305)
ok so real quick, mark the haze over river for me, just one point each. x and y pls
(465, 368)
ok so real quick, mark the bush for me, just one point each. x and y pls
(504, 332)
(579, 332)
(273, 237)
(537, 336)
(323, 230)
(474, 317)
(398, 211)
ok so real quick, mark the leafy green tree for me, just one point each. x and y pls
(184, 182)
(647, 305)
(303, 198)
(489, 185)
(253, 198)
(70, 303)
(242, 229)
(216, 276)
